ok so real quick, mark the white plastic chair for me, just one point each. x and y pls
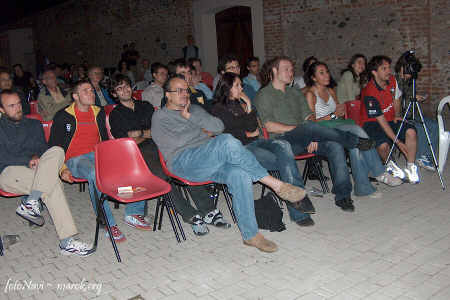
(444, 136)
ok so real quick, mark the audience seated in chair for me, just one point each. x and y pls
(381, 117)
(7, 84)
(77, 129)
(353, 79)
(102, 96)
(155, 92)
(235, 109)
(183, 134)
(133, 119)
(327, 111)
(252, 79)
(52, 98)
(205, 76)
(424, 157)
(230, 63)
(283, 110)
(28, 166)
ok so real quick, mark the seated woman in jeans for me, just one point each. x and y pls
(326, 109)
(235, 110)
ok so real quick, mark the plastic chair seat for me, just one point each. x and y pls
(353, 111)
(119, 163)
(8, 195)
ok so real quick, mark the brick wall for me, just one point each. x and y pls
(96, 30)
(332, 30)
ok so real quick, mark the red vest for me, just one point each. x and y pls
(384, 97)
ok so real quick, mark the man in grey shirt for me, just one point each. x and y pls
(183, 132)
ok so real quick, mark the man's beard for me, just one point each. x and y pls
(18, 117)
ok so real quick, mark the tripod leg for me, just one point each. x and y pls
(398, 133)
(430, 145)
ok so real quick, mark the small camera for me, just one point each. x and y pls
(411, 65)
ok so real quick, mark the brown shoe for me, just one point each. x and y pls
(261, 243)
(291, 192)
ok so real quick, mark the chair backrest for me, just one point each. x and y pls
(444, 101)
(108, 109)
(119, 162)
(265, 133)
(34, 107)
(352, 111)
(47, 126)
(137, 94)
(35, 116)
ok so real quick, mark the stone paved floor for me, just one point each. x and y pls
(396, 247)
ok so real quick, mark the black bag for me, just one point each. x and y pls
(268, 213)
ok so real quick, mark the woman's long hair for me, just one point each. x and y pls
(363, 76)
(222, 93)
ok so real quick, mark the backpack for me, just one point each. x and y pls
(268, 213)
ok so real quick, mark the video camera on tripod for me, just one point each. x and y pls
(411, 65)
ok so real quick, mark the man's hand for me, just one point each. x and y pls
(66, 175)
(251, 134)
(34, 162)
(185, 112)
(402, 148)
(135, 133)
(209, 133)
(146, 134)
(312, 147)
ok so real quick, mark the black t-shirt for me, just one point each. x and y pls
(123, 119)
(236, 120)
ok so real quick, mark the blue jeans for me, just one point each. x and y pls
(301, 136)
(363, 163)
(224, 160)
(83, 166)
(278, 155)
(422, 142)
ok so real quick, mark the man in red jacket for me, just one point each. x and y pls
(78, 128)
(380, 115)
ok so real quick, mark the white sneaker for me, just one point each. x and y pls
(395, 170)
(389, 179)
(31, 211)
(413, 174)
(425, 163)
(76, 247)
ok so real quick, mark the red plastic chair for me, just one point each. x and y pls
(108, 109)
(119, 163)
(47, 126)
(312, 163)
(185, 184)
(35, 116)
(34, 107)
(137, 94)
(352, 111)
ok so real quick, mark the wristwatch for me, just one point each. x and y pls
(333, 116)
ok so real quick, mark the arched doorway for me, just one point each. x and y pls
(234, 33)
(204, 12)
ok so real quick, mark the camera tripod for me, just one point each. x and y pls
(414, 104)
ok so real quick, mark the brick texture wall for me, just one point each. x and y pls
(96, 30)
(332, 30)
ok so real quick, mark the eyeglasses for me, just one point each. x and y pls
(121, 88)
(180, 91)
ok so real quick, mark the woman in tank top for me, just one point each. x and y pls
(323, 102)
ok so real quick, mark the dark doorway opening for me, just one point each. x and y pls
(234, 34)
